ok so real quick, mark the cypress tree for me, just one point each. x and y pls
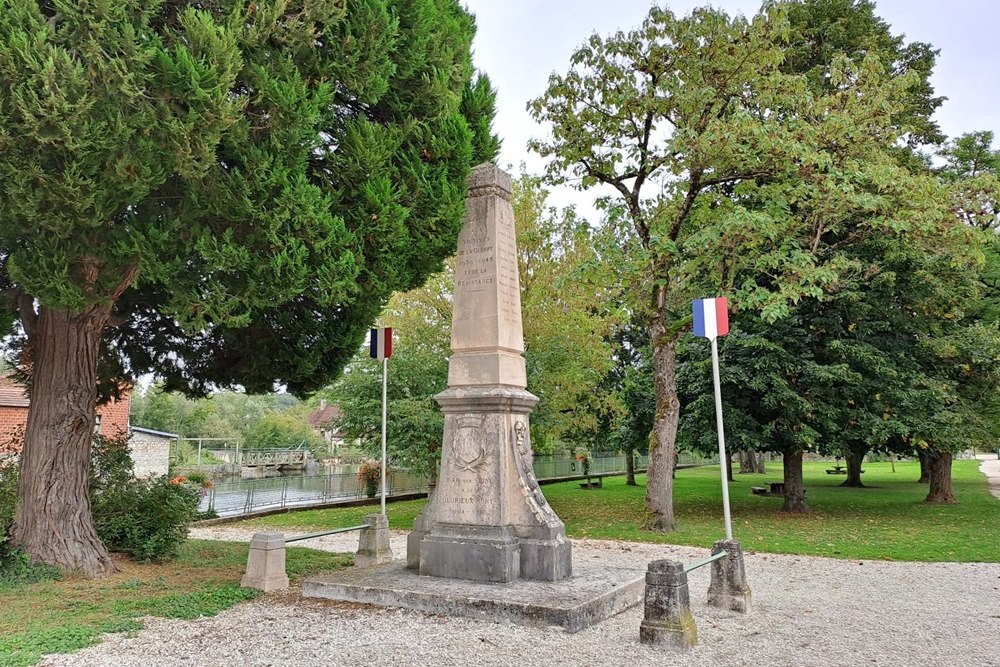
(222, 193)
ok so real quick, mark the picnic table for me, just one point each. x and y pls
(772, 489)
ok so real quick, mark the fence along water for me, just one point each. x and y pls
(247, 496)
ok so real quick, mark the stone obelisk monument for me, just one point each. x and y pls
(488, 520)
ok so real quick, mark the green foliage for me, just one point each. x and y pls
(146, 518)
(208, 601)
(8, 502)
(571, 304)
(247, 185)
(479, 108)
(285, 428)
(110, 463)
(16, 569)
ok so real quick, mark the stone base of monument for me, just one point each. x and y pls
(593, 594)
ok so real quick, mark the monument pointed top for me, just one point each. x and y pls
(488, 179)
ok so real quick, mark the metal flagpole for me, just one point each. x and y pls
(722, 438)
(385, 370)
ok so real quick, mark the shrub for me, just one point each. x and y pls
(196, 477)
(8, 502)
(145, 518)
(370, 476)
(110, 463)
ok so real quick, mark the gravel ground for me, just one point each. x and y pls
(806, 611)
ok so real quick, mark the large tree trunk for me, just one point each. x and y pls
(939, 469)
(752, 462)
(53, 522)
(925, 474)
(630, 466)
(795, 492)
(854, 461)
(729, 467)
(659, 476)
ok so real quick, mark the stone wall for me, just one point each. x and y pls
(150, 454)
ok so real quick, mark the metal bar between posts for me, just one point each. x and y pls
(710, 559)
(327, 532)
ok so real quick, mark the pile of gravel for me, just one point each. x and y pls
(806, 611)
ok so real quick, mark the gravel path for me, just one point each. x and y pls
(806, 611)
(990, 467)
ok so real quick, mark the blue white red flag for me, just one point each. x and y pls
(381, 343)
(711, 317)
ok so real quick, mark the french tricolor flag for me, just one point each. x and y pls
(381, 343)
(711, 317)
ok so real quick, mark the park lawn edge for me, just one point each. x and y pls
(888, 520)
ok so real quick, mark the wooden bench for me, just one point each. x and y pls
(838, 470)
(596, 483)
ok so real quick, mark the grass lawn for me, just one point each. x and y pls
(888, 520)
(65, 616)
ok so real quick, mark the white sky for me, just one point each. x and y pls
(520, 42)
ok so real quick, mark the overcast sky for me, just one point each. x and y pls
(520, 42)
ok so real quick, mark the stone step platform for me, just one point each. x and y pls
(593, 594)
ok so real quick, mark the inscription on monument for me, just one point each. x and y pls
(474, 264)
(506, 270)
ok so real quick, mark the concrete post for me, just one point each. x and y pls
(667, 620)
(729, 589)
(373, 544)
(266, 563)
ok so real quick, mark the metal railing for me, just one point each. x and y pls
(246, 496)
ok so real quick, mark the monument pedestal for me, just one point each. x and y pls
(488, 519)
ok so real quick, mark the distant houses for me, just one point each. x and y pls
(323, 420)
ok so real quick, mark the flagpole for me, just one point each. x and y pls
(722, 438)
(385, 370)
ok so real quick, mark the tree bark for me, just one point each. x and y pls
(795, 493)
(630, 466)
(729, 467)
(752, 462)
(854, 461)
(662, 440)
(939, 471)
(925, 474)
(53, 522)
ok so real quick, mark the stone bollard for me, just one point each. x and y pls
(668, 619)
(266, 563)
(373, 545)
(729, 589)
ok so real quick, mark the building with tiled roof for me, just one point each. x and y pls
(323, 420)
